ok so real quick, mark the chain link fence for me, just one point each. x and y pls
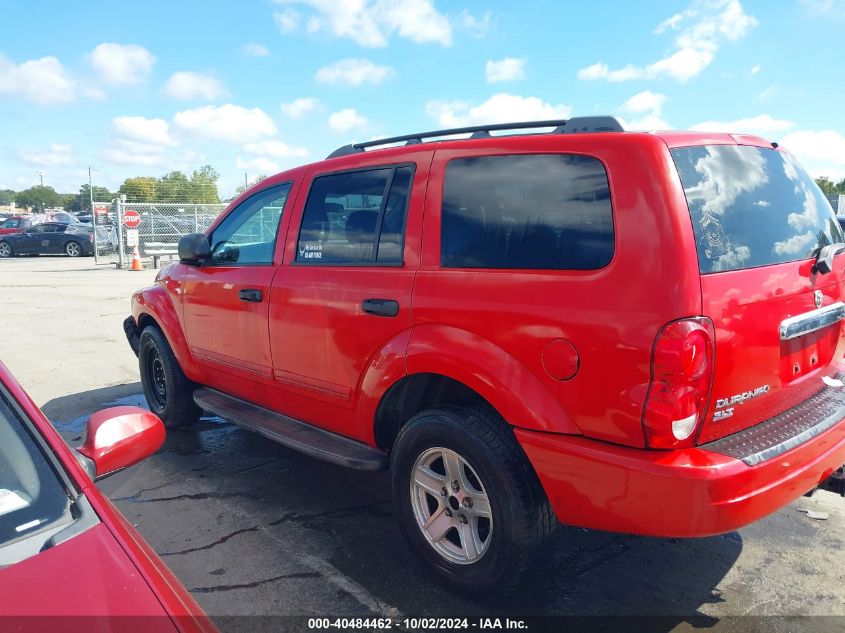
(157, 235)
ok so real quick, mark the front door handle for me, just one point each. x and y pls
(251, 295)
(381, 307)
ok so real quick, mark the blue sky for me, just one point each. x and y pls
(257, 86)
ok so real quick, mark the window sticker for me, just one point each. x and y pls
(311, 250)
(11, 501)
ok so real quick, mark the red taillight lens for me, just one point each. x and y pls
(681, 377)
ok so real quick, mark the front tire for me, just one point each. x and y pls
(468, 500)
(168, 391)
(6, 250)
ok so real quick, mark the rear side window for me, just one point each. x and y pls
(356, 217)
(542, 211)
(752, 206)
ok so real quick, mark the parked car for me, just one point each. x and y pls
(50, 238)
(632, 332)
(15, 224)
(58, 532)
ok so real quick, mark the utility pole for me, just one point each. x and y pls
(40, 174)
(93, 215)
(91, 192)
(246, 184)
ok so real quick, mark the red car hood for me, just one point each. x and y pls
(88, 575)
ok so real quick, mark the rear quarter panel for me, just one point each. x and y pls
(610, 315)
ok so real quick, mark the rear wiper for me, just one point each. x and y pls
(824, 258)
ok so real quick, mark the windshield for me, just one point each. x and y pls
(32, 497)
(752, 206)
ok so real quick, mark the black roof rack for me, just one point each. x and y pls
(578, 124)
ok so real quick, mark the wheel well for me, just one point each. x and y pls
(144, 320)
(416, 393)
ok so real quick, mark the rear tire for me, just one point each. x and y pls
(168, 391)
(483, 546)
(6, 250)
(73, 249)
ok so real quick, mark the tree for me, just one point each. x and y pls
(204, 185)
(241, 188)
(829, 187)
(7, 196)
(174, 187)
(70, 202)
(82, 201)
(141, 189)
(38, 197)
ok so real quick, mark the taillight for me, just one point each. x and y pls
(681, 377)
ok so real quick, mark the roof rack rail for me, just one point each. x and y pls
(574, 125)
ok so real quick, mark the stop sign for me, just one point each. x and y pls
(131, 219)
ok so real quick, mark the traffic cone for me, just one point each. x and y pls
(136, 260)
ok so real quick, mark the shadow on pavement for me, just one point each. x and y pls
(251, 527)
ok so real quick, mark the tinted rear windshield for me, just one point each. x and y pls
(752, 206)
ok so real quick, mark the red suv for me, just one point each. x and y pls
(635, 332)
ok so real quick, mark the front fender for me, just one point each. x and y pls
(155, 303)
(515, 392)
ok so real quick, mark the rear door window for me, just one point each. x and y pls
(356, 217)
(752, 206)
(541, 211)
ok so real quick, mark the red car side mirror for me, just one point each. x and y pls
(119, 437)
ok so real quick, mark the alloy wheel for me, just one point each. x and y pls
(451, 506)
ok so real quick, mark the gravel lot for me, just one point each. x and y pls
(253, 528)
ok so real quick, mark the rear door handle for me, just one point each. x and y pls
(381, 307)
(252, 295)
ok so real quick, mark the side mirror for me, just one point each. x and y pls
(194, 248)
(119, 437)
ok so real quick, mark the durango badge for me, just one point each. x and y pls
(726, 404)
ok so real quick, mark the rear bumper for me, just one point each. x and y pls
(132, 333)
(682, 493)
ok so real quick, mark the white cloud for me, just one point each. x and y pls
(761, 124)
(756, 68)
(371, 22)
(500, 108)
(254, 49)
(507, 69)
(346, 119)
(142, 130)
(353, 72)
(122, 64)
(298, 108)
(231, 123)
(476, 27)
(128, 152)
(275, 148)
(287, 20)
(56, 154)
(645, 101)
(258, 164)
(187, 85)
(648, 108)
(706, 26)
(823, 146)
(768, 93)
(834, 8)
(43, 81)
